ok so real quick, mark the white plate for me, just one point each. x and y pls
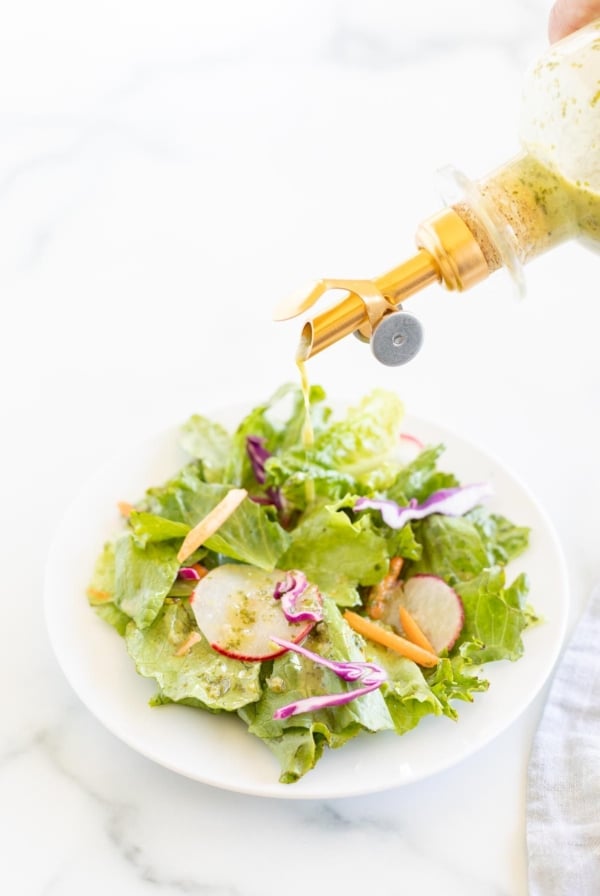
(216, 749)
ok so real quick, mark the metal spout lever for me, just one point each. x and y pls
(361, 310)
(447, 252)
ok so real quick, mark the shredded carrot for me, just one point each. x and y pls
(378, 593)
(375, 603)
(125, 508)
(413, 631)
(396, 564)
(97, 596)
(189, 642)
(388, 639)
(211, 522)
(201, 570)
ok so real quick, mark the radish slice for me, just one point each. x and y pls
(409, 447)
(434, 605)
(238, 615)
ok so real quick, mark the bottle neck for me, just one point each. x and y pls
(503, 220)
(519, 211)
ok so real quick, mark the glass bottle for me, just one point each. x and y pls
(548, 193)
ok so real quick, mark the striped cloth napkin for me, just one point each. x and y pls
(563, 786)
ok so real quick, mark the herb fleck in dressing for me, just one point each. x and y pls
(541, 208)
(241, 616)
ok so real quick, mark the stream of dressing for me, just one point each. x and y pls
(308, 433)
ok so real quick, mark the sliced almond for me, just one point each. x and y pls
(96, 596)
(125, 508)
(211, 523)
(189, 642)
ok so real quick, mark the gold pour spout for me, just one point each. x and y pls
(448, 252)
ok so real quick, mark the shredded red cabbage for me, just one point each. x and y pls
(448, 501)
(370, 675)
(296, 604)
(189, 574)
(258, 456)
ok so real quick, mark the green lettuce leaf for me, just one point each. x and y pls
(421, 478)
(149, 527)
(344, 455)
(406, 692)
(201, 677)
(101, 590)
(502, 539)
(454, 678)
(336, 554)
(365, 438)
(400, 542)
(299, 740)
(175, 500)
(411, 693)
(250, 535)
(111, 614)
(495, 616)
(102, 584)
(298, 474)
(143, 577)
(210, 443)
(451, 548)
(296, 749)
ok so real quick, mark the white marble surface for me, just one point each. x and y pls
(167, 173)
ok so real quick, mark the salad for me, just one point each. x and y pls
(319, 592)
